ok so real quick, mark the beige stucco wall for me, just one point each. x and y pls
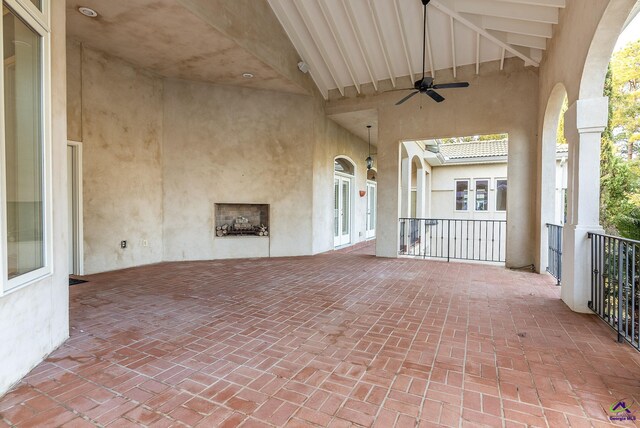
(120, 127)
(159, 153)
(233, 145)
(34, 320)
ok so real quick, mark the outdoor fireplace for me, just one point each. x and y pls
(242, 220)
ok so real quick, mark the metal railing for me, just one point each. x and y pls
(554, 260)
(615, 289)
(478, 240)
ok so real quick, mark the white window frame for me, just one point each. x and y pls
(475, 194)
(352, 182)
(455, 194)
(495, 200)
(38, 22)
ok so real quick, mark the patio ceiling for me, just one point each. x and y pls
(356, 42)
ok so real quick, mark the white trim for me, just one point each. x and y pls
(455, 194)
(475, 195)
(496, 198)
(39, 23)
(78, 202)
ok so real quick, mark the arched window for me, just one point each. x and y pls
(343, 166)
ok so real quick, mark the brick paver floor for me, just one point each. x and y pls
(332, 340)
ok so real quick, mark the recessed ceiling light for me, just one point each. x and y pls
(247, 75)
(86, 11)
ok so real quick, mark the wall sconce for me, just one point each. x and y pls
(369, 159)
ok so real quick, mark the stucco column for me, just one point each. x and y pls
(585, 121)
(405, 195)
(421, 181)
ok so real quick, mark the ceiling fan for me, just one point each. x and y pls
(426, 85)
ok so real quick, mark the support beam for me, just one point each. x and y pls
(403, 37)
(515, 26)
(477, 53)
(520, 40)
(341, 48)
(548, 3)
(315, 37)
(383, 46)
(358, 36)
(429, 50)
(445, 6)
(314, 70)
(503, 9)
(453, 47)
(504, 51)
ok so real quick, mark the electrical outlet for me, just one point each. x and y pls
(145, 243)
(123, 244)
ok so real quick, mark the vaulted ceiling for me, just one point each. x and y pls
(350, 43)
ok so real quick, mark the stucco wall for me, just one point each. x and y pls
(233, 145)
(35, 318)
(496, 102)
(120, 126)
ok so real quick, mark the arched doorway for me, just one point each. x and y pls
(550, 191)
(344, 173)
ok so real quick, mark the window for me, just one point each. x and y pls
(501, 195)
(482, 195)
(462, 195)
(23, 143)
(343, 165)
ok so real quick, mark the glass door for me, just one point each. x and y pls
(371, 209)
(342, 210)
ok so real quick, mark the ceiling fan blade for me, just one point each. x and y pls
(436, 96)
(452, 85)
(407, 97)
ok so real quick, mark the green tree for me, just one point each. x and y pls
(625, 98)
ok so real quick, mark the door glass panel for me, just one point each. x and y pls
(501, 195)
(23, 146)
(482, 195)
(374, 195)
(346, 214)
(336, 208)
(462, 193)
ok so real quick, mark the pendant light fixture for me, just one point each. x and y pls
(369, 158)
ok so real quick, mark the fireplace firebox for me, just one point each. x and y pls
(242, 220)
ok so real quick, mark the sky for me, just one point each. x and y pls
(630, 34)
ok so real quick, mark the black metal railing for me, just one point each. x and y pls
(615, 289)
(479, 240)
(554, 261)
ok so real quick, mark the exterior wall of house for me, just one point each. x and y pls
(119, 120)
(34, 319)
(160, 153)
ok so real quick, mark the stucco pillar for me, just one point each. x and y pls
(421, 179)
(585, 121)
(405, 195)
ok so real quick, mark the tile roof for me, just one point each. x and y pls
(481, 149)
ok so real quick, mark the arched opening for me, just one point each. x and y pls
(343, 185)
(553, 179)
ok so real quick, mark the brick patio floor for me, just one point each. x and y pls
(332, 340)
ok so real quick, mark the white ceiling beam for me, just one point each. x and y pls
(383, 47)
(504, 52)
(520, 40)
(341, 47)
(445, 6)
(315, 37)
(429, 50)
(403, 37)
(516, 26)
(477, 53)
(316, 75)
(548, 3)
(453, 47)
(358, 36)
(503, 9)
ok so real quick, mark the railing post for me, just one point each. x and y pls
(620, 265)
(448, 240)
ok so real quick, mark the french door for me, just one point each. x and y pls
(371, 208)
(342, 210)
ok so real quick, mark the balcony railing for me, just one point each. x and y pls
(478, 240)
(615, 290)
(554, 263)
